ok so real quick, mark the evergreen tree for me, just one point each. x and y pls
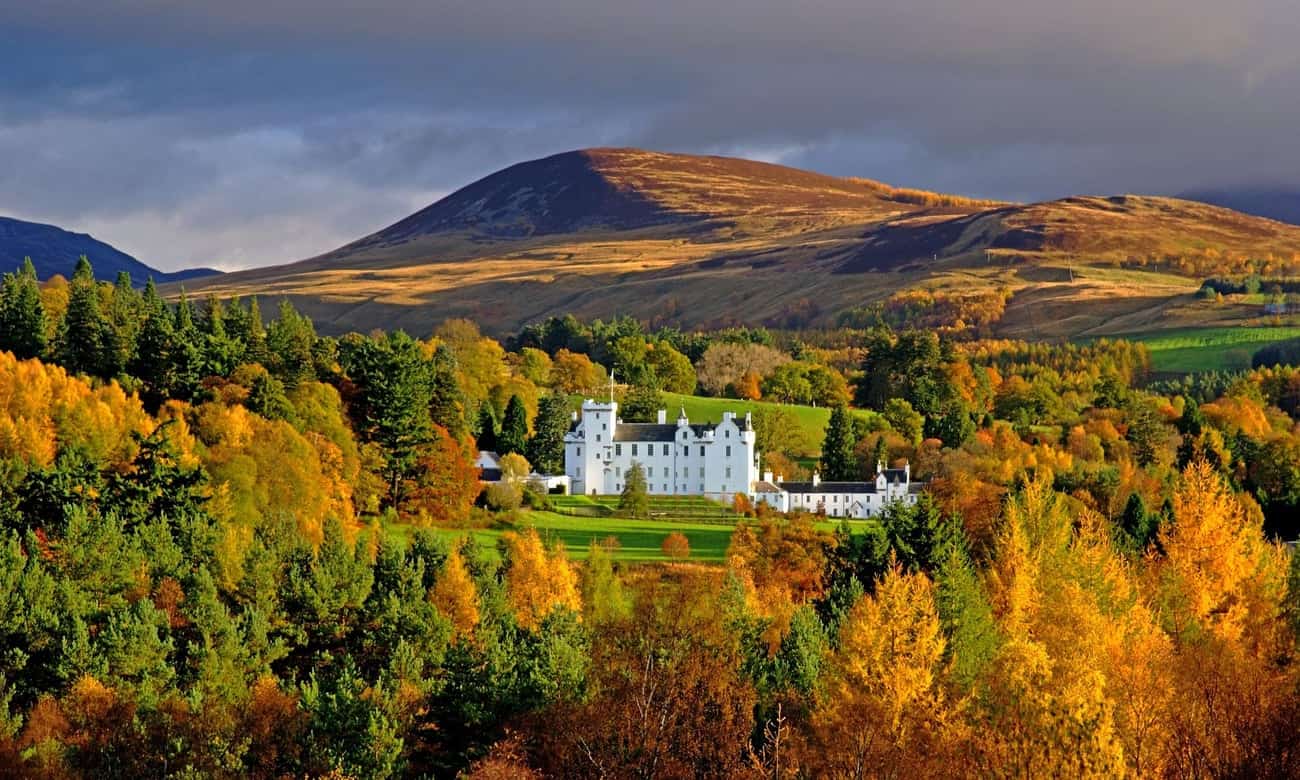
(22, 315)
(394, 397)
(446, 405)
(921, 535)
(546, 448)
(82, 345)
(291, 344)
(487, 428)
(222, 351)
(124, 320)
(1137, 526)
(966, 617)
(514, 428)
(186, 351)
(838, 462)
(154, 362)
(635, 498)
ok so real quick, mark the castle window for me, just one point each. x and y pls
(618, 471)
(665, 473)
(728, 450)
(578, 472)
(665, 450)
(598, 437)
(701, 450)
(686, 451)
(579, 452)
(665, 488)
(727, 434)
(604, 427)
(634, 450)
(728, 472)
(618, 449)
(701, 474)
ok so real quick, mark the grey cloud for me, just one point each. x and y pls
(252, 132)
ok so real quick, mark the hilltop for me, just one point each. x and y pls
(700, 240)
(54, 250)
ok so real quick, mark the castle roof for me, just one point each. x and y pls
(644, 432)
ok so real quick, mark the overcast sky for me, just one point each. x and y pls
(242, 133)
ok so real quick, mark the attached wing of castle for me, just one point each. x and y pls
(715, 460)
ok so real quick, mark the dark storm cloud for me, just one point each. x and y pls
(250, 132)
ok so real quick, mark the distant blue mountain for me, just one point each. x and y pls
(1280, 204)
(54, 250)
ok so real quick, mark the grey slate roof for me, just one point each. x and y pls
(829, 487)
(645, 432)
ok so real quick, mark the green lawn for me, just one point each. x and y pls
(1210, 349)
(811, 419)
(639, 540)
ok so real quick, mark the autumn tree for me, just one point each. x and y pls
(538, 581)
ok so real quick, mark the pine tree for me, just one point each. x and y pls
(838, 462)
(514, 427)
(124, 319)
(546, 448)
(22, 315)
(82, 345)
(446, 405)
(635, 499)
(153, 363)
(966, 617)
(487, 428)
(291, 344)
(1137, 526)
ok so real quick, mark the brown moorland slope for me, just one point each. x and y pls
(711, 240)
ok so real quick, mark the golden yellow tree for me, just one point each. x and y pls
(883, 712)
(538, 582)
(455, 596)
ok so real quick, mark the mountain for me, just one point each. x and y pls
(1280, 204)
(54, 250)
(709, 241)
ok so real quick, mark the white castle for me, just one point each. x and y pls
(715, 460)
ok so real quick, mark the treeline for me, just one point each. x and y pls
(213, 560)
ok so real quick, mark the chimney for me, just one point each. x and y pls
(663, 416)
(767, 476)
(817, 479)
(780, 478)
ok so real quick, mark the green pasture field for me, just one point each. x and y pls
(1210, 349)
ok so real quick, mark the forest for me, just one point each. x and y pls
(231, 548)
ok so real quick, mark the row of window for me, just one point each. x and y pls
(650, 450)
(650, 472)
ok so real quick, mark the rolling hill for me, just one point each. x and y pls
(54, 250)
(711, 240)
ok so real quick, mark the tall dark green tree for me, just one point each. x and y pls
(125, 315)
(514, 427)
(394, 384)
(1137, 526)
(446, 405)
(154, 361)
(487, 428)
(291, 346)
(23, 324)
(546, 448)
(838, 462)
(920, 535)
(82, 344)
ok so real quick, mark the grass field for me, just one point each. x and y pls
(639, 540)
(812, 419)
(1210, 349)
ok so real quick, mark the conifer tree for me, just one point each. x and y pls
(153, 363)
(124, 318)
(546, 448)
(487, 428)
(514, 427)
(82, 344)
(22, 315)
(838, 462)
(446, 405)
